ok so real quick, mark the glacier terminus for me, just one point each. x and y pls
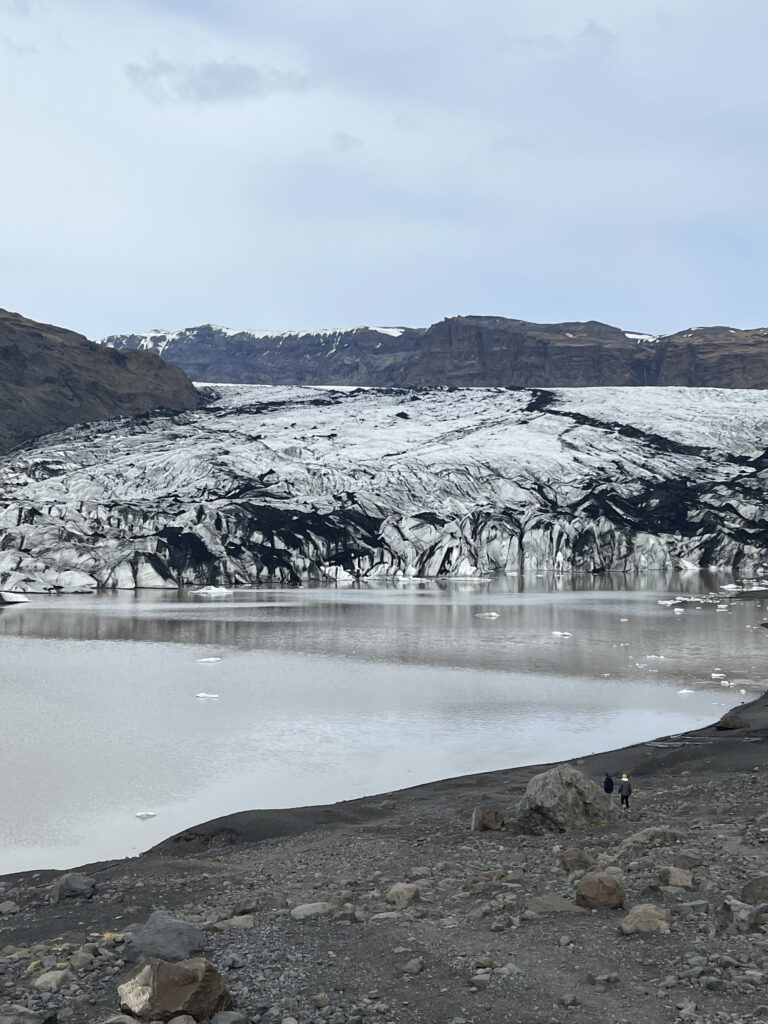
(292, 483)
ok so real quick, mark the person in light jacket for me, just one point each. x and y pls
(625, 790)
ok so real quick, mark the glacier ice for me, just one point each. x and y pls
(307, 483)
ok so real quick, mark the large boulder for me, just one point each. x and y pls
(599, 891)
(562, 799)
(73, 885)
(156, 990)
(166, 937)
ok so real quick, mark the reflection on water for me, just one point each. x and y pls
(326, 693)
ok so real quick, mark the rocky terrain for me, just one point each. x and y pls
(391, 909)
(51, 378)
(466, 351)
(314, 483)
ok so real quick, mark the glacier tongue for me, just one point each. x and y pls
(295, 483)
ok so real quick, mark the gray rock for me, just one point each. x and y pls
(10, 1013)
(756, 890)
(8, 907)
(561, 799)
(414, 966)
(156, 990)
(402, 894)
(229, 1017)
(575, 859)
(552, 904)
(486, 820)
(678, 877)
(73, 885)
(167, 938)
(645, 918)
(307, 910)
(53, 981)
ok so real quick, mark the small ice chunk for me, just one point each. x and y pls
(686, 691)
(679, 611)
(207, 696)
(623, 620)
(668, 603)
(211, 592)
(560, 632)
(731, 586)
(207, 661)
(486, 615)
(718, 675)
(145, 815)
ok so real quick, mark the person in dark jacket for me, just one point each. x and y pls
(625, 790)
(608, 784)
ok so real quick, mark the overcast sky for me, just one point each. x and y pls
(319, 163)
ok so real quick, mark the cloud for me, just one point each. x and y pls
(164, 81)
(344, 143)
(17, 49)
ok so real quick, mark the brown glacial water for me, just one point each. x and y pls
(326, 693)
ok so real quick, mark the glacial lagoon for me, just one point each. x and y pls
(317, 694)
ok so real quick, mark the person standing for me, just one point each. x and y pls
(625, 790)
(608, 784)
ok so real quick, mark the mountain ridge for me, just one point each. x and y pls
(52, 378)
(466, 351)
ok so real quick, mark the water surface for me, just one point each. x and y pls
(329, 693)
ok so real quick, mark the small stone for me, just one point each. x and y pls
(414, 966)
(645, 917)
(569, 999)
(486, 820)
(320, 1000)
(677, 877)
(403, 894)
(480, 980)
(575, 859)
(307, 910)
(53, 981)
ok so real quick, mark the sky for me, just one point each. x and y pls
(298, 164)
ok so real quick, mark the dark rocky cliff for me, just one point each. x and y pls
(467, 351)
(52, 378)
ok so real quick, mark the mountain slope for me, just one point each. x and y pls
(467, 351)
(51, 378)
(311, 483)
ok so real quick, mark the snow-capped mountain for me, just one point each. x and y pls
(294, 483)
(466, 351)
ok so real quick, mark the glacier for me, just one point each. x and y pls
(292, 484)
